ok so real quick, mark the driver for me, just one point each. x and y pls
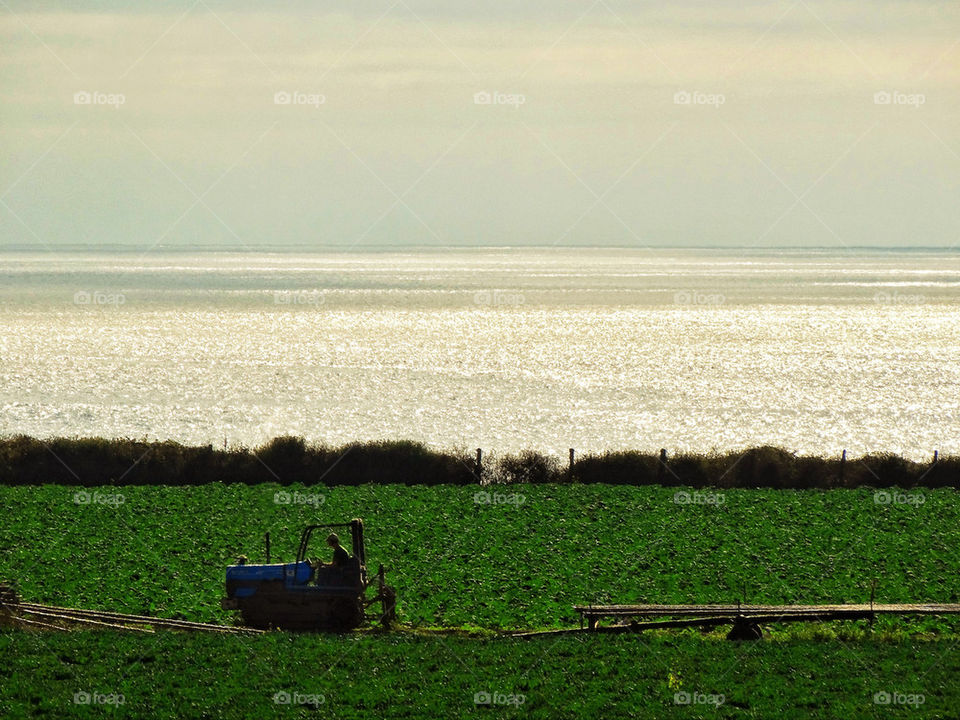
(340, 556)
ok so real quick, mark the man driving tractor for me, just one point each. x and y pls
(340, 556)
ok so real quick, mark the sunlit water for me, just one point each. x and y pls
(500, 349)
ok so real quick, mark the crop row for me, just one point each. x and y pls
(176, 676)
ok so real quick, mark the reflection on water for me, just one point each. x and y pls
(503, 349)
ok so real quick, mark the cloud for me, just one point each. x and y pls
(199, 84)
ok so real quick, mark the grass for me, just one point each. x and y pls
(467, 561)
(290, 460)
(192, 676)
(513, 560)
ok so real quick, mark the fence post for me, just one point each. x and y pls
(478, 468)
(570, 468)
(843, 465)
(662, 468)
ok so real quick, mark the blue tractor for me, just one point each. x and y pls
(309, 594)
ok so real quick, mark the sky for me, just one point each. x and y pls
(364, 125)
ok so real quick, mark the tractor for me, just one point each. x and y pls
(308, 594)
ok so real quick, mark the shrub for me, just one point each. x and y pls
(96, 461)
(528, 467)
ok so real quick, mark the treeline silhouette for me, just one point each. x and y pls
(286, 460)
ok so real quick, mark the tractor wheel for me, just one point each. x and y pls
(744, 629)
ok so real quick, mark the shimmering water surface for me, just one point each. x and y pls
(502, 349)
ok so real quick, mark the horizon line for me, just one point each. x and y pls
(380, 249)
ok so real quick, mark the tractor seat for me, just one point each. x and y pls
(344, 575)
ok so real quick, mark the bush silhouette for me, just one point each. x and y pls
(97, 461)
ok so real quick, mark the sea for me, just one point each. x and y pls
(814, 350)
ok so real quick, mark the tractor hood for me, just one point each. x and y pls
(295, 572)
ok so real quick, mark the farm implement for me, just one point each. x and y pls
(745, 620)
(16, 613)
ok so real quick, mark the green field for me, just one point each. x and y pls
(516, 558)
(184, 676)
(519, 563)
